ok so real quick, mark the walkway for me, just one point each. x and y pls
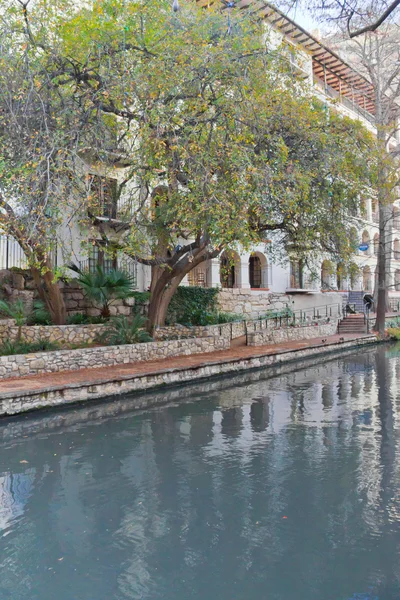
(65, 380)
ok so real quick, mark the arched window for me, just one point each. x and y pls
(228, 270)
(367, 279)
(258, 270)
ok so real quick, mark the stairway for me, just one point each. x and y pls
(352, 324)
(357, 299)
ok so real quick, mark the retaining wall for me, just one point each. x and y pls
(290, 334)
(253, 303)
(69, 334)
(71, 360)
(12, 402)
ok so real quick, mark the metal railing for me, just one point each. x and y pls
(289, 318)
(11, 254)
(123, 263)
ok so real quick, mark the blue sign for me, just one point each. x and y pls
(363, 247)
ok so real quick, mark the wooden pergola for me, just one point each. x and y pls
(336, 76)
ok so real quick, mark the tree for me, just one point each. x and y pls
(34, 184)
(219, 141)
(375, 55)
(358, 16)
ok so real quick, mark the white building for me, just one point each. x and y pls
(332, 79)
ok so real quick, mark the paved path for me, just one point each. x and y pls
(65, 379)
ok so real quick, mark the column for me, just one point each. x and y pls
(213, 273)
(243, 275)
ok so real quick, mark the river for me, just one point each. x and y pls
(243, 488)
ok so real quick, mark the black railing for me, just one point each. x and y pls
(11, 254)
(123, 263)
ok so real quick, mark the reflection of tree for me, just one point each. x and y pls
(188, 501)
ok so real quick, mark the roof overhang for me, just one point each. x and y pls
(328, 67)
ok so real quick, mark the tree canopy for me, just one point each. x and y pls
(212, 135)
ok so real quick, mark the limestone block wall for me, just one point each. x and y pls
(63, 334)
(226, 330)
(76, 302)
(277, 336)
(104, 356)
(253, 303)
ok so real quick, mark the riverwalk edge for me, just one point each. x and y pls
(60, 389)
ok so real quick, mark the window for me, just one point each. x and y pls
(103, 196)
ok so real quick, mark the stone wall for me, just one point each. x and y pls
(104, 356)
(253, 303)
(289, 334)
(14, 401)
(226, 330)
(63, 334)
(76, 302)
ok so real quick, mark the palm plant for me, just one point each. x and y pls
(15, 311)
(126, 331)
(104, 287)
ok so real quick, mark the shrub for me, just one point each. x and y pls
(392, 323)
(104, 287)
(39, 315)
(394, 333)
(84, 319)
(78, 319)
(193, 306)
(225, 317)
(18, 347)
(124, 331)
(15, 311)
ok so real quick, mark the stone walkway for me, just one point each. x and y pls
(95, 376)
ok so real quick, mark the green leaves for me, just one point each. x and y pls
(103, 287)
(126, 331)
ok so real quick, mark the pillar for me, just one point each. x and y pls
(243, 275)
(214, 276)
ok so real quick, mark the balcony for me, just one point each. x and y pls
(353, 106)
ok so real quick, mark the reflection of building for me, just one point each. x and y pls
(15, 490)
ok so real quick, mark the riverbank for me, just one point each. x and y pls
(23, 394)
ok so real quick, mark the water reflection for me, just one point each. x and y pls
(283, 488)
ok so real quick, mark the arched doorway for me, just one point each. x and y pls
(229, 270)
(258, 270)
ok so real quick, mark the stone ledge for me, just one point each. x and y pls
(12, 403)
(20, 365)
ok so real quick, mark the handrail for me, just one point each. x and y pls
(324, 311)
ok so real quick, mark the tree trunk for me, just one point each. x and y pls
(383, 265)
(50, 293)
(161, 296)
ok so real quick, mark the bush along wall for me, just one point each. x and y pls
(193, 306)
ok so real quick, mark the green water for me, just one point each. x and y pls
(244, 488)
